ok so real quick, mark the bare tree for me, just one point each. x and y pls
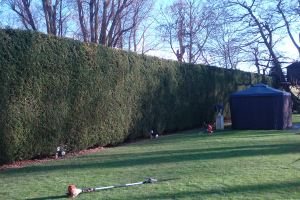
(50, 14)
(290, 12)
(82, 20)
(262, 25)
(259, 56)
(88, 15)
(139, 37)
(23, 10)
(226, 46)
(187, 25)
(172, 27)
(113, 12)
(44, 15)
(147, 41)
(107, 21)
(94, 20)
(66, 12)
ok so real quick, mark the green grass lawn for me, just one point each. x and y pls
(229, 164)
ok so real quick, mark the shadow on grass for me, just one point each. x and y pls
(264, 190)
(192, 135)
(281, 188)
(159, 157)
(270, 190)
(52, 197)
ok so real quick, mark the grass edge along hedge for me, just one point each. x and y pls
(61, 92)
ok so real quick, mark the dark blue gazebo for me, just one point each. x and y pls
(261, 107)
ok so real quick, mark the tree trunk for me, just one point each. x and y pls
(96, 30)
(104, 24)
(50, 15)
(26, 4)
(82, 21)
(92, 2)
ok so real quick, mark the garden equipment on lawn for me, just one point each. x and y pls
(208, 130)
(73, 191)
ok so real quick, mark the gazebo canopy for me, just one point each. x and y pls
(261, 107)
(260, 90)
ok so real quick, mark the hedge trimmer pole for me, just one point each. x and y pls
(73, 191)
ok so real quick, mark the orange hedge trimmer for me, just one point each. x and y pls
(73, 191)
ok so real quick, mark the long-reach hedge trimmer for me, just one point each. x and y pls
(73, 191)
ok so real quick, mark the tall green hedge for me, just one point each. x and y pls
(61, 92)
